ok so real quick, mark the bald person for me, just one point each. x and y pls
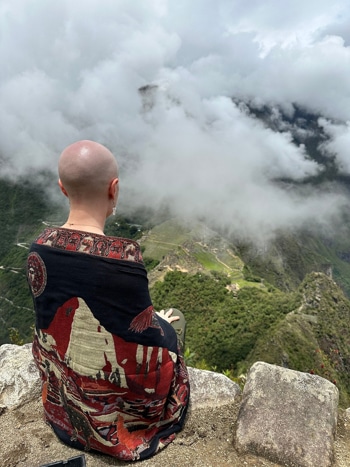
(112, 369)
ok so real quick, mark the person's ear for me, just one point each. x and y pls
(62, 188)
(113, 188)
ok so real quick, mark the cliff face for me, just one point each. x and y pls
(315, 337)
(217, 427)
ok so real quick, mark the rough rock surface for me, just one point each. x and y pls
(288, 416)
(210, 389)
(207, 439)
(19, 379)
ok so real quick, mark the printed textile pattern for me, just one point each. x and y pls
(94, 244)
(124, 394)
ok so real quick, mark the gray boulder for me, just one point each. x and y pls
(287, 416)
(210, 389)
(19, 377)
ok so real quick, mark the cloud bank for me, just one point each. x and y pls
(74, 70)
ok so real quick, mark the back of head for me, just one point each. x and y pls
(86, 169)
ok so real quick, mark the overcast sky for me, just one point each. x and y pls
(72, 70)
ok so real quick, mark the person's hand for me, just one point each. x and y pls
(167, 315)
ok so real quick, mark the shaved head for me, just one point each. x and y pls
(86, 169)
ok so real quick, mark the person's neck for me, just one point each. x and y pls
(85, 223)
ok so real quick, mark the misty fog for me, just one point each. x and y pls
(74, 70)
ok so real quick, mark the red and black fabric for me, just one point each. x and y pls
(113, 377)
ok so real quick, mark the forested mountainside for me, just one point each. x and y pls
(287, 304)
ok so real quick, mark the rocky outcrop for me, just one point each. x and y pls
(19, 377)
(211, 389)
(283, 418)
(288, 416)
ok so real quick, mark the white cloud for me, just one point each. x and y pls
(339, 143)
(73, 70)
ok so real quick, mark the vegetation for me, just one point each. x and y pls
(291, 256)
(119, 227)
(315, 338)
(23, 207)
(222, 327)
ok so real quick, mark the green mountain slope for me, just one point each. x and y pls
(291, 256)
(222, 326)
(235, 317)
(16, 307)
(23, 206)
(192, 248)
(315, 337)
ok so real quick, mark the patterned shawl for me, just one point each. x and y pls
(113, 378)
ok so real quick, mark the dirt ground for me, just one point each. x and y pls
(206, 441)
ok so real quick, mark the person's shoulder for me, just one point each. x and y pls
(105, 246)
(123, 248)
